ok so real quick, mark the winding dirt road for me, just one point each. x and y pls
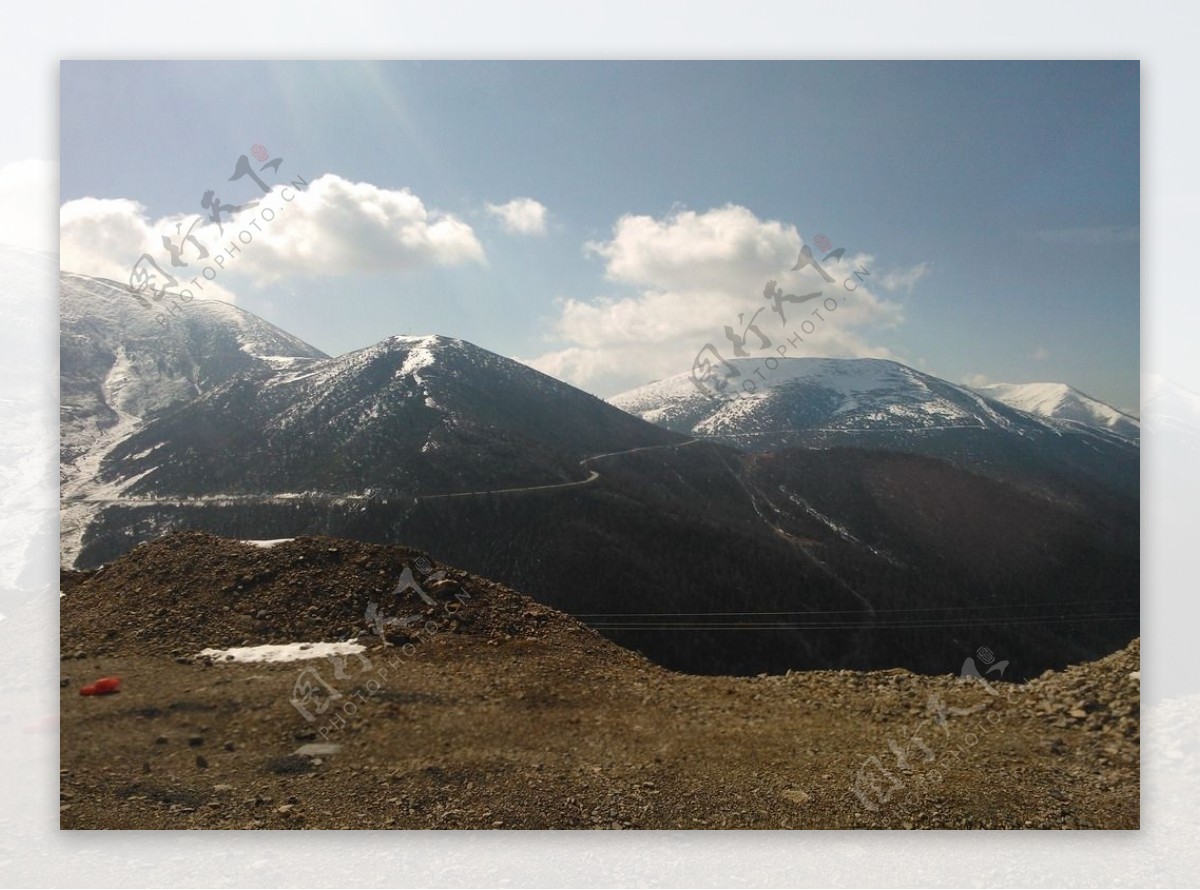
(593, 475)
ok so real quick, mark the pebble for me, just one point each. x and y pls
(318, 749)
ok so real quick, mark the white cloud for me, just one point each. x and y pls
(28, 195)
(521, 216)
(716, 250)
(974, 380)
(336, 226)
(1040, 354)
(332, 227)
(904, 279)
(695, 273)
(105, 237)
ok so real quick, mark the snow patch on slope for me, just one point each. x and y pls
(282, 652)
(843, 395)
(1058, 401)
(119, 366)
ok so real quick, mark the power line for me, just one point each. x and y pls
(867, 626)
(1050, 606)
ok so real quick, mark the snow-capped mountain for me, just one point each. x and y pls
(225, 424)
(1058, 401)
(880, 404)
(219, 403)
(408, 415)
(119, 366)
(814, 395)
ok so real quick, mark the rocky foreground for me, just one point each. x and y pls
(471, 706)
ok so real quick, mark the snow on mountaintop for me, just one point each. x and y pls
(408, 415)
(421, 351)
(812, 393)
(436, 368)
(818, 403)
(847, 376)
(1058, 401)
(407, 356)
(119, 366)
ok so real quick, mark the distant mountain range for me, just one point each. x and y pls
(853, 514)
(884, 405)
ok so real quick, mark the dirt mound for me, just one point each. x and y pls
(188, 591)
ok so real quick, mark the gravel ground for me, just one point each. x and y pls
(496, 712)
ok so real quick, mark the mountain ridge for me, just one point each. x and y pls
(1061, 401)
(514, 475)
(879, 403)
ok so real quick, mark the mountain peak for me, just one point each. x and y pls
(1059, 401)
(408, 341)
(421, 348)
(819, 403)
(873, 390)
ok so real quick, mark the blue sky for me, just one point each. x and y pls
(999, 200)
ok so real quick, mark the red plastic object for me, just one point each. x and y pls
(103, 686)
